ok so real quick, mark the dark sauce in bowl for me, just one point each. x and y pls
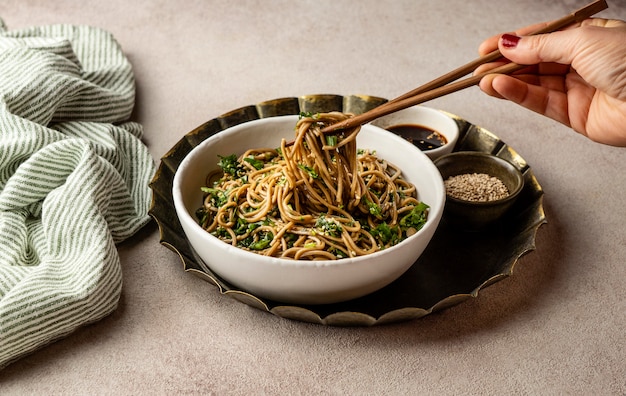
(423, 137)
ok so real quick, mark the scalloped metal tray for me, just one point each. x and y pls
(455, 266)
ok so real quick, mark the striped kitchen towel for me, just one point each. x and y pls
(74, 180)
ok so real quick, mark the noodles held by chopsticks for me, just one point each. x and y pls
(319, 198)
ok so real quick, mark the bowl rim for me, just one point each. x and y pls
(185, 216)
(519, 177)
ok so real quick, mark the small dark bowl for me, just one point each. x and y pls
(476, 215)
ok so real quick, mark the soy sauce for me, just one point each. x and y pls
(423, 137)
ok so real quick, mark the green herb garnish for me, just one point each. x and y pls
(387, 235)
(312, 173)
(231, 166)
(217, 197)
(416, 218)
(328, 226)
(257, 164)
(263, 242)
(307, 114)
(373, 208)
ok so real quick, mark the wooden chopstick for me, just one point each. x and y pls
(443, 85)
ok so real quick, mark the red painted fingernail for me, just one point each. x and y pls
(509, 40)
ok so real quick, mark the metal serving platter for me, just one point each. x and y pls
(455, 266)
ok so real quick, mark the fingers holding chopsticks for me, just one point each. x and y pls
(447, 83)
(576, 76)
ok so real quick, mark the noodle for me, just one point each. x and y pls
(319, 198)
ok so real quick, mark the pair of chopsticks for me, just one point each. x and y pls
(443, 85)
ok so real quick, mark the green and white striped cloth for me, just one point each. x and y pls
(74, 180)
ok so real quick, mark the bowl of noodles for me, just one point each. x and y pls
(286, 212)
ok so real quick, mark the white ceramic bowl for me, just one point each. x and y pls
(303, 282)
(428, 117)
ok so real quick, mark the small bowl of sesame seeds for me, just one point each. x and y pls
(480, 188)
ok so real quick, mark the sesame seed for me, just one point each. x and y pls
(476, 187)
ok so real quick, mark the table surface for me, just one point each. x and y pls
(556, 326)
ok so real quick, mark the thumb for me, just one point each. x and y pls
(558, 47)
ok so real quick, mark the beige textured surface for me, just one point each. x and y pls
(555, 327)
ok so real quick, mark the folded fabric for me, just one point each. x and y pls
(74, 180)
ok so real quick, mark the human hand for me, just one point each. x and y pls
(576, 76)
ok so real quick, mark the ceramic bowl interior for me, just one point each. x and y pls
(479, 214)
(428, 117)
(303, 282)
